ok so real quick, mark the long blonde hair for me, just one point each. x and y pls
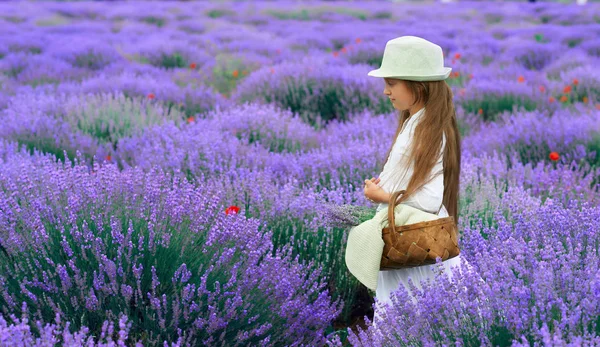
(439, 118)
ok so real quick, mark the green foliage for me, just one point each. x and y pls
(14, 71)
(43, 80)
(54, 20)
(594, 146)
(219, 12)
(318, 100)
(463, 127)
(324, 247)
(315, 13)
(48, 145)
(109, 118)
(540, 38)
(173, 60)
(166, 60)
(301, 14)
(494, 104)
(138, 309)
(272, 141)
(159, 22)
(358, 14)
(532, 59)
(228, 71)
(382, 15)
(14, 19)
(369, 57)
(574, 42)
(493, 18)
(476, 211)
(456, 81)
(91, 60)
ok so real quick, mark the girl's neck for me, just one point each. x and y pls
(414, 109)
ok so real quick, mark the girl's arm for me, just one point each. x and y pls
(382, 196)
(428, 198)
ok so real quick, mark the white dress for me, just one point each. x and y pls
(428, 198)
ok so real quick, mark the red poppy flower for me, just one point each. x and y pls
(108, 158)
(542, 89)
(480, 111)
(563, 98)
(236, 73)
(357, 40)
(232, 209)
(521, 79)
(336, 53)
(585, 99)
(190, 119)
(554, 156)
(551, 99)
(575, 81)
(344, 50)
(193, 65)
(567, 89)
(151, 96)
(457, 56)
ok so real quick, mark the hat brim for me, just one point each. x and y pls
(437, 77)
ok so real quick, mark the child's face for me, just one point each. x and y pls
(400, 96)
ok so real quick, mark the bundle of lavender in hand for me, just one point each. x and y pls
(346, 215)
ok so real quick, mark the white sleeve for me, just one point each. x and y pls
(429, 197)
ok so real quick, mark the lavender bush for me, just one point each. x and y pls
(540, 281)
(532, 136)
(125, 255)
(317, 93)
(91, 123)
(18, 333)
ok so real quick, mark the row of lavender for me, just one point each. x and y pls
(194, 57)
(137, 233)
(238, 164)
(164, 250)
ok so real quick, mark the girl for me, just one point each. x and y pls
(426, 147)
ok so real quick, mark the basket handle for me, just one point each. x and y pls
(392, 206)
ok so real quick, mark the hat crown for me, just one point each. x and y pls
(413, 55)
(414, 58)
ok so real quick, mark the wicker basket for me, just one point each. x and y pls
(417, 244)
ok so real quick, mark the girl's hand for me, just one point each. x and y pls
(373, 192)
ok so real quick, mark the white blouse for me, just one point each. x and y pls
(429, 197)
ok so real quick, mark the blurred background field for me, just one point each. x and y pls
(165, 168)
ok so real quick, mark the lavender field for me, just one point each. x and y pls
(165, 167)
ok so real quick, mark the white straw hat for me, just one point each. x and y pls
(412, 58)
